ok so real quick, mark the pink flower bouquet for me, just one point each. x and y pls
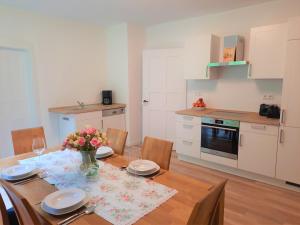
(88, 139)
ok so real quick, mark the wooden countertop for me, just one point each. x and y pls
(87, 108)
(243, 116)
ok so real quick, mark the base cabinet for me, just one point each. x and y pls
(257, 153)
(70, 123)
(288, 165)
(188, 135)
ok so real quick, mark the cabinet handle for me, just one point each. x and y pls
(281, 136)
(206, 72)
(102, 124)
(188, 118)
(187, 142)
(187, 126)
(282, 116)
(240, 140)
(65, 118)
(249, 71)
(258, 127)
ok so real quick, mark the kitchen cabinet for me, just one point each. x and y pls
(198, 52)
(267, 51)
(288, 155)
(290, 105)
(258, 148)
(72, 122)
(293, 28)
(113, 118)
(188, 135)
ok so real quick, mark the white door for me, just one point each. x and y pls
(291, 91)
(164, 92)
(18, 109)
(288, 155)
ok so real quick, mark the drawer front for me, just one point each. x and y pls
(188, 147)
(88, 115)
(259, 128)
(188, 131)
(186, 118)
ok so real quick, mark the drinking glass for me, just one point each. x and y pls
(38, 147)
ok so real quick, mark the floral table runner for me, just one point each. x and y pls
(121, 198)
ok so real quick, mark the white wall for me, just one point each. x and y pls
(233, 91)
(125, 44)
(68, 60)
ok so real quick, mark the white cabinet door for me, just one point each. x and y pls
(198, 52)
(188, 147)
(117, 122)
(267, 51)
(67, 126)
(291, 90)
(164, 92)
(288, 155)
(257, 153)
(294, 28)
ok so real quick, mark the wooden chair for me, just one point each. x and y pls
(210, 209)
(3, 213)
(22, 139)
(157, 150)
(117, 140)
(25, 213)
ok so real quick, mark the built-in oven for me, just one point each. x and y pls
(220, 137)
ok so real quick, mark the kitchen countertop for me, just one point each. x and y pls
(87, 108)
(243, 116)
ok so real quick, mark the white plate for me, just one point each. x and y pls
(18, 172)
(143, 166)
(64, 199)
(104, 151)
(62, 212)
(142, 173)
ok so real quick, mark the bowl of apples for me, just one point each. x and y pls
(199, 105)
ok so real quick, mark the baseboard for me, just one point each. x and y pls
(240, 173)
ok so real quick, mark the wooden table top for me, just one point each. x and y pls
(174, 211)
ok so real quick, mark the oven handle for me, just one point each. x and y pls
(222, 128)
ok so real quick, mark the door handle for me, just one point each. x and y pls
(145, 101)
(281, 136)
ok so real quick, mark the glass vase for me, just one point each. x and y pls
(89, 165)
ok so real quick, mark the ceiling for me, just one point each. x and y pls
(144, 12)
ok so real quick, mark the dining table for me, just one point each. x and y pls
(176, 210)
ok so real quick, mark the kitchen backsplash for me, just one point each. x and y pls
(234, 91)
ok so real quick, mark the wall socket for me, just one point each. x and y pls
(268, 97)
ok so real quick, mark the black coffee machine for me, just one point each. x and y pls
(106, 97)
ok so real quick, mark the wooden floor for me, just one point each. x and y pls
(247, 202)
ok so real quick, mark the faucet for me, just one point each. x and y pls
(81, 104)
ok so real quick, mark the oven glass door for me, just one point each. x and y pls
(224, 140)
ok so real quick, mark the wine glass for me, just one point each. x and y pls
(38, 146)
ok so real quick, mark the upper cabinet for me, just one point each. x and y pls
(294, 31)
(199, 51)
(267, 51)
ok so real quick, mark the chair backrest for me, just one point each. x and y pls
(25, 213)
(3, 213)
(210, 209)
(117, 140)
(22, 139)
(157, 150)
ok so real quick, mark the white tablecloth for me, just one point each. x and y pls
(121, 198)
